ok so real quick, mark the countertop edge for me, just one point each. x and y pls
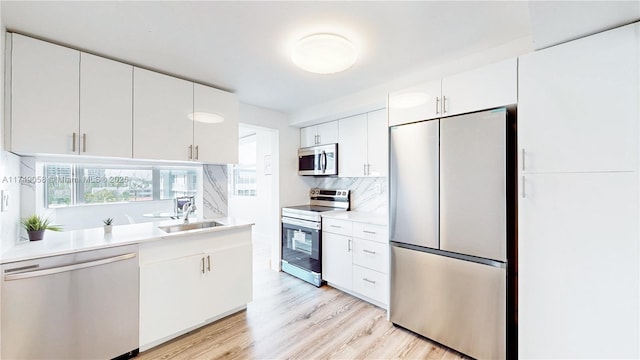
(75, 241)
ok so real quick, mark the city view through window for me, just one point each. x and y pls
(69, 184)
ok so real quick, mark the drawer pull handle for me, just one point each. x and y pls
(336, 226)
(369, 281)
(369, 252)
(369, 232)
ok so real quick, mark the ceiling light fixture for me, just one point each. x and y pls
(205, 117)
(324, 53)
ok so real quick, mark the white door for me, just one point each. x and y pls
(170, 297)
(578, 105)
(352, 146)
(45, 85)
(328, 133)
(422, 102)
(578, 280)
(215, 127)
(308, 136)
(106, 105)
(337, 263)
(479, 89)
(228, 279)
(162, 128)
(377, 143)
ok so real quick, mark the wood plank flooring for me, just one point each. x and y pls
(290, 319)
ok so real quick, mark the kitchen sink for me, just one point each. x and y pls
(190, 226)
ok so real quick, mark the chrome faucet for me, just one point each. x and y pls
(186, 210)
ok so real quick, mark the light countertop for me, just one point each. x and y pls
(358, 216)
(67, 242)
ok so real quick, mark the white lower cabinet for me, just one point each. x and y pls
(355, 259)
(188, 282)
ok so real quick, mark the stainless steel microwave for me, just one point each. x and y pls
(318, 160)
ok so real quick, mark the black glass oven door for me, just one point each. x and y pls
(301, 246)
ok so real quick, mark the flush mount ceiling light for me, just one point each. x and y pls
(324, 53)
(205, 117)
(408, 100)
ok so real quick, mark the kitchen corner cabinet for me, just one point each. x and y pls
(45, 93)
(188, 282)
(362, 145)
(578, 106)
(321, 134)
(106, 105)
(487, 87)
(355, 259)
(215, 142)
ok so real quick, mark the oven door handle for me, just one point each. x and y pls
(312, 225)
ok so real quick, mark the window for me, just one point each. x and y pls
(244, 174)
(76, 184)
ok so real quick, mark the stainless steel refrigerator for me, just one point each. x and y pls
(452, 230)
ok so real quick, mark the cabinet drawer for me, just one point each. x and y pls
(371, 284)
(371, 254)
(370, 232)
(341, 227)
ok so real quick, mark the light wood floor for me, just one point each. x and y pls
(290, 319)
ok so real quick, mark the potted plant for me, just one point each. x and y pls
(108, 225)
(36, 225)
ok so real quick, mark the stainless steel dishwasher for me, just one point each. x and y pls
(76, 306)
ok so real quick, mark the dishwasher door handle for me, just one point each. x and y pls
(66, 268)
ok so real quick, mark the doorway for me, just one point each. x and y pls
(253, 191)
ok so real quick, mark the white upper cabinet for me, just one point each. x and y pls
(215, 126)
(162, 128)
(578, 105)
(377, 143)
(106, 105)
(45, 86)
(421, 102)
(483, 88)
(479, 89)
(352, 146)
(363, 141)
(321, 134)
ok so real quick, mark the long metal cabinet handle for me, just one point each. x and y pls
(190, 152)
(369, 252)
(67, 268)
(364, 169)
(349, 245)
(444, 104)
(524, 194)
(84, 142)
(369, 232)
(523, 167)
(73, 143)
(437, 105)
(197, 151)
(209, 263)
(202, 263)
(369, 281)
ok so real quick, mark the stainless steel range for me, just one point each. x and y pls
(302, 233)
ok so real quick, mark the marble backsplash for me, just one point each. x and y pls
(215, 183)
(367, 193)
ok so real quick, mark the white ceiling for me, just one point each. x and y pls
(243, 46)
